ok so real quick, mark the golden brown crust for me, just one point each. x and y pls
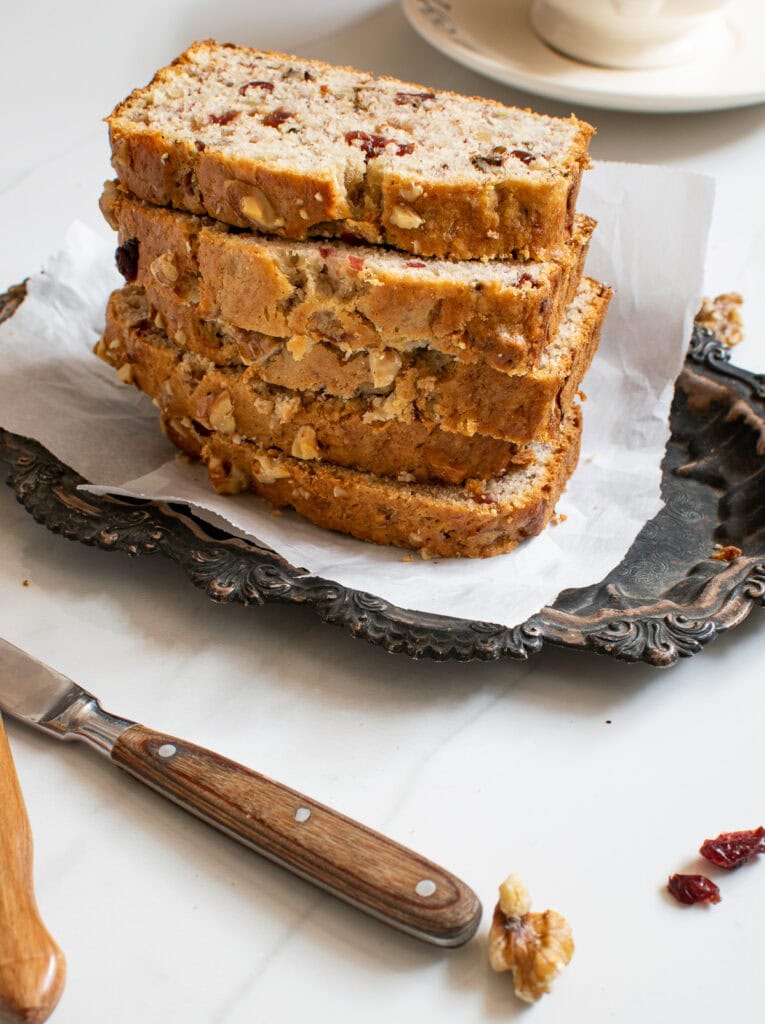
(461, 219)
(444, 522)
(243, 281)
(346, 432)
(466, 398)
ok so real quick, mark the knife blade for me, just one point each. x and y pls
(32, 967)
(341, 856)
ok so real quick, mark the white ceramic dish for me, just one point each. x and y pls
(495, 38)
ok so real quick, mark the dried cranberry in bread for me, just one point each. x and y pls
(297, 147)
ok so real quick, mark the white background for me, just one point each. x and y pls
(485, 768)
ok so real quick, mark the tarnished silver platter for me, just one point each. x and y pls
(666, 600)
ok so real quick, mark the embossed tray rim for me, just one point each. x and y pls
(231, 569)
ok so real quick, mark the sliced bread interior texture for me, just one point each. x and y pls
(293, 147)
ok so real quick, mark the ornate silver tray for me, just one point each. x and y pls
(666, 600)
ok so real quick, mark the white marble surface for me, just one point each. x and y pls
(485, 768)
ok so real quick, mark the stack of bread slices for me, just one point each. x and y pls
(353, 296)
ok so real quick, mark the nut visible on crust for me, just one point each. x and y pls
(304, 445)
(534, 947)
(120, 155)
(257, 207)
(225, 477)
(163, 268)
(110, 195)
(411, 192)
(298, 346)
(125, 373)
(221, 414)
(181, 433)
(383, 366)
(405, 218)
(286, 407)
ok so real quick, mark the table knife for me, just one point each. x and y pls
(32, 967)
(341, 856)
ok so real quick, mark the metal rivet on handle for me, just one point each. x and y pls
(425, 887)
(302, 814)
(167, 750)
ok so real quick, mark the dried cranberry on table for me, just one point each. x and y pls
(693, 889)
(732, 849)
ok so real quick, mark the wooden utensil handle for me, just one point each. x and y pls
(324, 847)
(32, 967)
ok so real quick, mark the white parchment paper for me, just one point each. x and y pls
(650, 245)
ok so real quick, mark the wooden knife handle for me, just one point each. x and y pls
(336, 853)
(32, 967)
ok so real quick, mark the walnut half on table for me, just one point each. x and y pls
(535, 947)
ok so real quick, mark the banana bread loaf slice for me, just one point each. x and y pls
(296, 147)
(467, 398)
(480, 519)
(359, 296)
(347, 432)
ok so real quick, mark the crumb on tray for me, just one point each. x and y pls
(722, 316)
(727, 553)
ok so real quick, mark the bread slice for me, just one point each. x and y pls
(466, 398)
(348, 432)
(296, 147)
(476, 521)
(357, 296)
